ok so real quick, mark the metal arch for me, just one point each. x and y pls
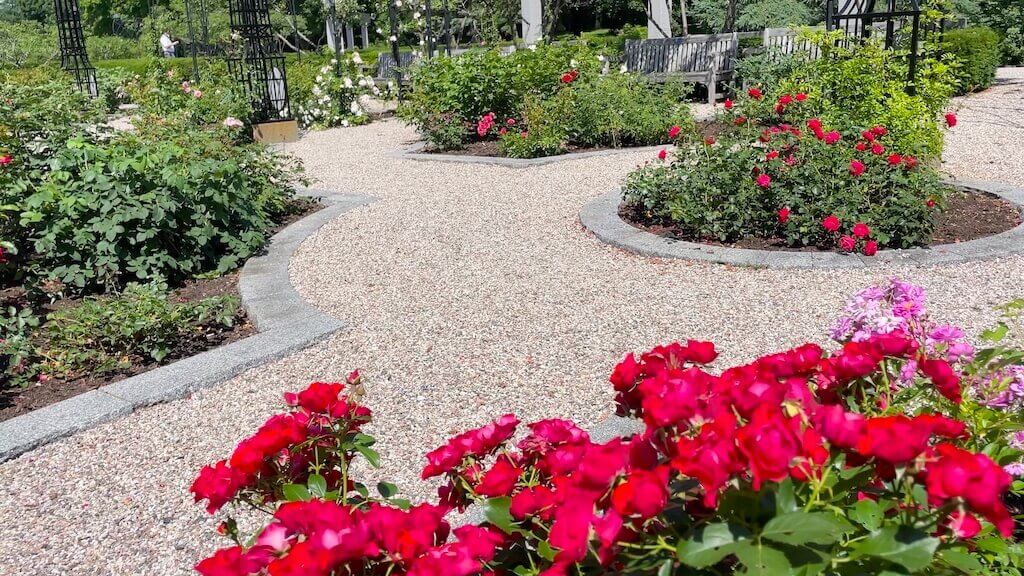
(260, 68)
(71, 39)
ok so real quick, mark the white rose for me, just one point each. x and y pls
(347, 82)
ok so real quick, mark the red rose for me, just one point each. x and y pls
(643, 494)
(832, 137)
(764, 180)
(740, 120)
(930, 203)
(783, 215)
(945, 379)
(848, 243)
(769, 441)
(831, 223)
(861, 230)
(709, 141)
(500, 479)
(894, 159)
(727, 104)
(868, 135)
(511, 121)
(5, 160)
(755, 93)
(786, 100)
(909, 162)
(877, 149)
(870, 248)
(856, 167)
(662, 154)
(771, 155)
(814, 124)
(951, 120)
(800, 97)
(861, 146)
(674, 131)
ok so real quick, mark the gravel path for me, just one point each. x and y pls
(472, 291)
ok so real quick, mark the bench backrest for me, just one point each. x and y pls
(386, 63)
(787, 41)
(694, 53)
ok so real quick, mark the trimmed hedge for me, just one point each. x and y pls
(977, 50)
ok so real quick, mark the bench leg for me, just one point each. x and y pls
(712, 87)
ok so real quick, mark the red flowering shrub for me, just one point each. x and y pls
(772, 155)
(790, 464)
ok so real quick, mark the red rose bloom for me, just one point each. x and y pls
(727, 104)
(755, 93)
(861, 230)
(870, 248)
(848, 243)
(800, 97)
(674, 131)
(832, 137)
(662, 154)
(861, 146)
(5, 160)
(894, 159)
(856, 167)
(831, 223)
(951, 120)
(764, 180)
(741, 120)
(877, 149)
(783, 215)
(909, 162)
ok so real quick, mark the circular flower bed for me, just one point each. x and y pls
(783, 175)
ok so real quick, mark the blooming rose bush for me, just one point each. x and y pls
(799, 462)
(777, 171)
(559, 97)
(334, 98)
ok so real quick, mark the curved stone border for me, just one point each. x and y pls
(415, 152)
(286, 324)
(601, 217)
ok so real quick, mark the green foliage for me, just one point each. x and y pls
(329, 91)
(862, 85)
(977, 52)
(110, 333)
(768, 68)
(114, 47)
(548, 114)
(103, 333)
(712, 191)
(180, 196)
(27, 43)
(167, 95)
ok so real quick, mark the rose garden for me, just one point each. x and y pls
(738, 291)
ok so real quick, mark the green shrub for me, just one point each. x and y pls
(166, 94)
(27, 44)
(92, 209)
(977, 52)
(551, 109)
(860, 85)
(735, 187)
(333, 98)
(114, 48)
(141, 324)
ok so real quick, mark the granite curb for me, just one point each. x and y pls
(415, 152)
(601, 217)
(285, 324)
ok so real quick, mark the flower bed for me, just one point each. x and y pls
(865, 460)
(534, 103)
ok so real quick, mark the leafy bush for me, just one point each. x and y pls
(767, 68)
(788, 177)
(332, 97)
(94, 209)
(977, 51)
(114, 48)
(556, 95)
(105, 333)
(27, 44)
(167, 95)
(861, 84)
(801, 462)
(110, 333)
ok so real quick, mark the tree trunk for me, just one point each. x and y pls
(682, 12)
(730, 17)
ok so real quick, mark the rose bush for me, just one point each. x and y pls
(334, 95)
(800, 462)
(558, 97)
(774, 156)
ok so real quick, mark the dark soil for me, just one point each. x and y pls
(17, 401)
(968, 216)
(491, 148)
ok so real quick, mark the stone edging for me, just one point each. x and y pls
(601, 216)
(286, 324)
(415, 152)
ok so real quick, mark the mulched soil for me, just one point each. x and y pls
(968, 216)
(18, 401)
(491, 148)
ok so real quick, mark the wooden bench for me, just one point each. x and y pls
(702, 58)
(386, 66)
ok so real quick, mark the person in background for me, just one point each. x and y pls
(167, 45)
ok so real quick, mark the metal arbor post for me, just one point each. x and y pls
(193, 48)
(260, 68)
(393, 17)
(73, 57)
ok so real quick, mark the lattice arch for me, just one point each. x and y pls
(260, 66)
(73, 57)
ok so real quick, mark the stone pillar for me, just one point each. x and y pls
(659, 18)
(532, 13)
(350, 39)
(364, 23)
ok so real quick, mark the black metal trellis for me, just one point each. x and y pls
(889, 19)
(73, 57)
(260, 67)
(395, 52)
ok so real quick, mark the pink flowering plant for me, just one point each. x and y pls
(801, 462)
(776, 171)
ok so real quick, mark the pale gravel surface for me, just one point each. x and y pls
(472, 291)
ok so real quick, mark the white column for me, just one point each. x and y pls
(532, 13)
(659, 18)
